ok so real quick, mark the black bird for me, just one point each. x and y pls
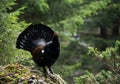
(43, 44)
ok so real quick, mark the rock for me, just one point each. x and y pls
(20, 74)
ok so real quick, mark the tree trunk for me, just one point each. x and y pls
(103, 32)
(115, 30)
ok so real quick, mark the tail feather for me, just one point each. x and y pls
(32, 33)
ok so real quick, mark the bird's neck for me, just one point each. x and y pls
(55, 37)
(55, 41)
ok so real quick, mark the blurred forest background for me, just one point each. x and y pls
(89, 32)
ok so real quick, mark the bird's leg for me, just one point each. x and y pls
(45, 71)
(50, 69)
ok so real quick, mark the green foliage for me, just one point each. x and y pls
(75, 17)
(88, 78)
(6, 4)
(34, 9)
(111, 58)
(78, 23)
(104, 77)
(68, 70)
(109, 14)
(9, 27)
(64, 16)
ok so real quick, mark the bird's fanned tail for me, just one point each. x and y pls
(33, 33)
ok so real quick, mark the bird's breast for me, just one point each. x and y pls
(37, 53)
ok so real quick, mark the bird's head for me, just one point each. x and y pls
(55, 37)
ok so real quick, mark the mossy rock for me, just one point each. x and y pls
(20, 74)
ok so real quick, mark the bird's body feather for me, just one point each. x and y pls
(42, 43)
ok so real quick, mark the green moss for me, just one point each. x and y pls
(17, 73)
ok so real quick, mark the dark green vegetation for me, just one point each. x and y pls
(81, 25)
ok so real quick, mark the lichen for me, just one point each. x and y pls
(20, 74)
